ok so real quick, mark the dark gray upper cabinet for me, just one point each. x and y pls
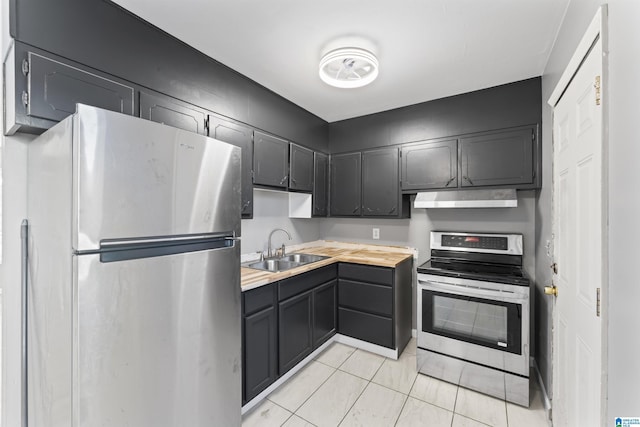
(430, 165)
(498, 158)
(240, 136)
(320, 184)
(301, 168)
(346, 184)
(47, 88)
(172, 112)
(380, 182)
(270, 160)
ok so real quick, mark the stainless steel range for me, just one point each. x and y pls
(473, 314)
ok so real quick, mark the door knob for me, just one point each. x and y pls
(551, 290)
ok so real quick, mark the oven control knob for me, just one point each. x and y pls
(551, 290)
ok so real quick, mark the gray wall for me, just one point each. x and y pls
(621, 303)
(414, 232)
(271, 210)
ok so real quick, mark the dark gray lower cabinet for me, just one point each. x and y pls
(325, 320)
(163, 109)
(374, 303)
(295, 330)
(260, 338)
(307, 314)
(240, 136)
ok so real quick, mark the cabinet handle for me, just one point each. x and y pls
(393, 209)
(246, 205)
(293, 180)
(355, 209)
(283, 180)
(451, 180)
(467, 178)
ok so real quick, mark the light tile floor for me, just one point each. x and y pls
(350, 387)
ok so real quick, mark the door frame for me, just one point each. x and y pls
(598, 28)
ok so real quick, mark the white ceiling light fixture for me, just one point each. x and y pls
(349, 67)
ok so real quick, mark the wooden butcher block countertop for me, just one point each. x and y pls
(383, 256)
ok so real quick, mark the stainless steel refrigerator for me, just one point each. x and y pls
(133, 275)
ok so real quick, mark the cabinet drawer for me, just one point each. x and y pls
(367, 327)
(366, 273)
(303, 282)
(259, 298)
(377, 299)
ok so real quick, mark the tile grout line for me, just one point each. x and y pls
(314, 392)
(405, 400)
(362, 392)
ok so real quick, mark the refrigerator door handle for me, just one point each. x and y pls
(24, 270)
(128, 249)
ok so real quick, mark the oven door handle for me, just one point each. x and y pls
(475, 291)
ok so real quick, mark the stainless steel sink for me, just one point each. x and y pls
(274, 265)
(304, 258)
(286, 262)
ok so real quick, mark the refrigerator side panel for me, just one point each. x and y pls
(158, 340)
(136, 178)
(49, 294)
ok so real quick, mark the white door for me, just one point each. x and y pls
(578, 195)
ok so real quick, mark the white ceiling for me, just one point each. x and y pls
(427, 49)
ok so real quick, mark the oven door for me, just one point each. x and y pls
(481, 322)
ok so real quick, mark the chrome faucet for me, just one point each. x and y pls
(269, 254)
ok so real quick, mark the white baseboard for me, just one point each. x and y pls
(253, 402)
(414, 333)
(343, 339)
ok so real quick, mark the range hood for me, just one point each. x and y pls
(497, 198)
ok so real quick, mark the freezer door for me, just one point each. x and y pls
(135, 178)
(157, 340)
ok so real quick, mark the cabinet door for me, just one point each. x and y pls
(295, 330)
(55, 88)
(320, 184)
(380, 182)
(346, 185)
(301, 168)
(260, 352)
(240, 136)
(163, 109)
(430, 165)
(497, 158)
(324, 312)
(270, 160)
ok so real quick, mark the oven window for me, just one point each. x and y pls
(485, 322)
(470, 318)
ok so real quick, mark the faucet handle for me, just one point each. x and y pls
(282, 251)
(261, 254)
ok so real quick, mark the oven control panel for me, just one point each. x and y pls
(478, 242)
(494, 243)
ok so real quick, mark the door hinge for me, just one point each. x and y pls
(25, 67)
(206, 126)
(597, 302)
(597, 86)
(25, 98)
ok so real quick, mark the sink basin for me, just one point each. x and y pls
(304, 258)
(286, 262)
(274, 265)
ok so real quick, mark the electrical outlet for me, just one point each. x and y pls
(376, 233)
